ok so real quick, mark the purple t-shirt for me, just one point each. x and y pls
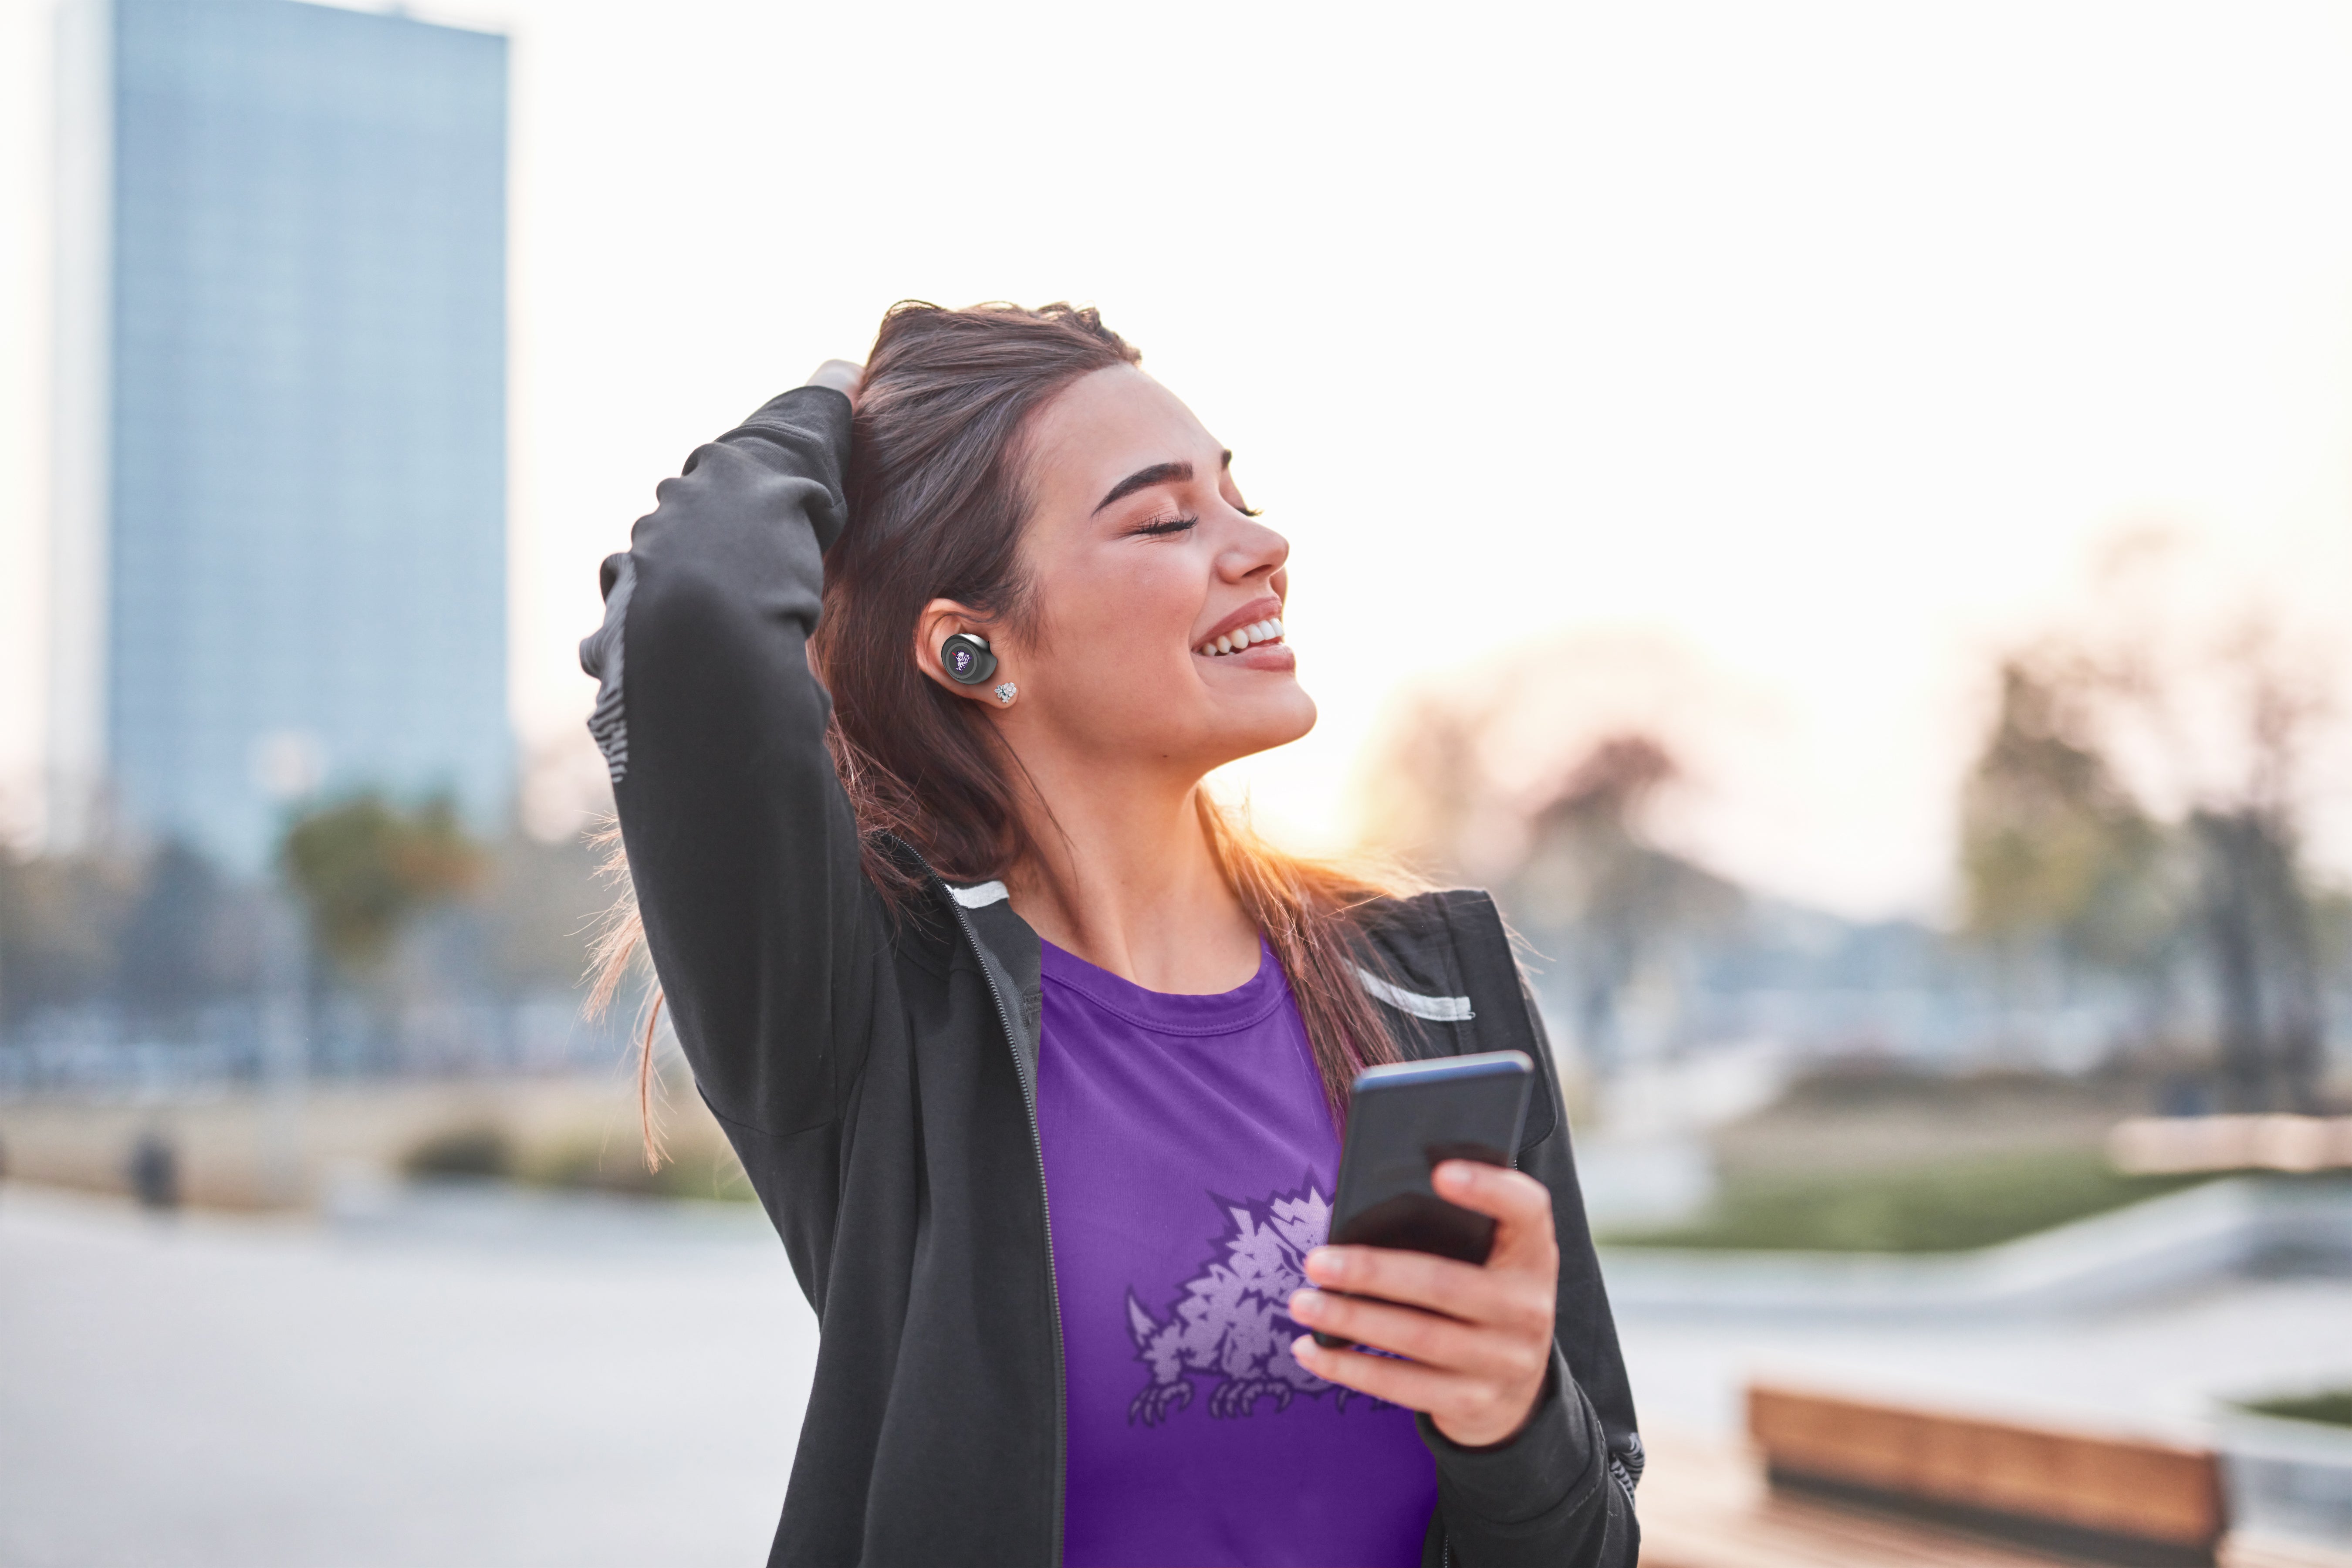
(1188, 1163)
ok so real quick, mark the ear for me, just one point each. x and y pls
(941, 619)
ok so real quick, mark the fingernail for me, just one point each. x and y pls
(1305, 1305)
(1326, 1265)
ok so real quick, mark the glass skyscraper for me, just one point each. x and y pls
(281, 533)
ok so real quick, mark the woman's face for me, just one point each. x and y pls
(1143, 554)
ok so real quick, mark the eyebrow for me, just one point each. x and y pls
(1157, 474)
(1144, 479)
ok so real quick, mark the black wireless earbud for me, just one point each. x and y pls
(966, 659)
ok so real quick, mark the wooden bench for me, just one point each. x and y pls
(2096, 1499)
(1707, 1505)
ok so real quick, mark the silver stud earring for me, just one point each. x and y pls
(1007, 693)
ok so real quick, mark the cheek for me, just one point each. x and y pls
(1126, 622)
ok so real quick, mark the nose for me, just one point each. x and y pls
(1255, 550)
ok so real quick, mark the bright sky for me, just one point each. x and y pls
(1818, 345)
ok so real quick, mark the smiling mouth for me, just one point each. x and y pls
(1257, 632)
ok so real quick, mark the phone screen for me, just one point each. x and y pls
(1403, 1121)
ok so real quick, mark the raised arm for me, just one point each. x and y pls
(740, 841)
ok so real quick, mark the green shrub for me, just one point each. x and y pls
(2334, 1409)
(483, 1151)
(1946, 1207)
(595, 1165)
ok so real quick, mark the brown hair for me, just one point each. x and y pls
(937, 501)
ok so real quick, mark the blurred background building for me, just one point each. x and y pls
(282, 778)
(280, 548)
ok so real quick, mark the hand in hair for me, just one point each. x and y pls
(844, 376)
(1476, 1341)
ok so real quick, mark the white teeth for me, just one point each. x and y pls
(1267, 630)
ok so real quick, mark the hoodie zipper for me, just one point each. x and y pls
(1045, 1208)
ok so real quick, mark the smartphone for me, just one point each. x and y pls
(1403, 1121)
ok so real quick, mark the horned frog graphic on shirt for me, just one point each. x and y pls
(1233, 1319)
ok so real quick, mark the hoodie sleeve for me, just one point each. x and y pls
(1554, 1494)
(741, 844)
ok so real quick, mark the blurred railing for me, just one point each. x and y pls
(103, 1050)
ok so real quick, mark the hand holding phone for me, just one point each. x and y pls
(1460, 1296)
(1403, 1121)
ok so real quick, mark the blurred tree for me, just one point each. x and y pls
(2257, 912)
(2256, 919)
(1570, 853)
(540, 903)
(2057, 848)
(1570, 860)
(2054, 847)
(1593, 884)
(189, 938)
(424, 926)
(1428, 787)
(366, 867)
(60, 918)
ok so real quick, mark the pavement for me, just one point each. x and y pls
(437, 1388)
(2157, 1369)
(491, 1378)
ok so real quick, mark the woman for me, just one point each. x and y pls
(1035, 1059)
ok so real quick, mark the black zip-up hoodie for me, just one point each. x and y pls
(877, 1075)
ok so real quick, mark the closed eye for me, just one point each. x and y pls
(1161, 527)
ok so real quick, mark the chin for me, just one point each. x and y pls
(1276, 720)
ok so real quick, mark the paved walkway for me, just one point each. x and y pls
(2158, 1369)
(251, 1394)
(499, 1381)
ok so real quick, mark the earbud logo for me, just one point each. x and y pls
(966, 659)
